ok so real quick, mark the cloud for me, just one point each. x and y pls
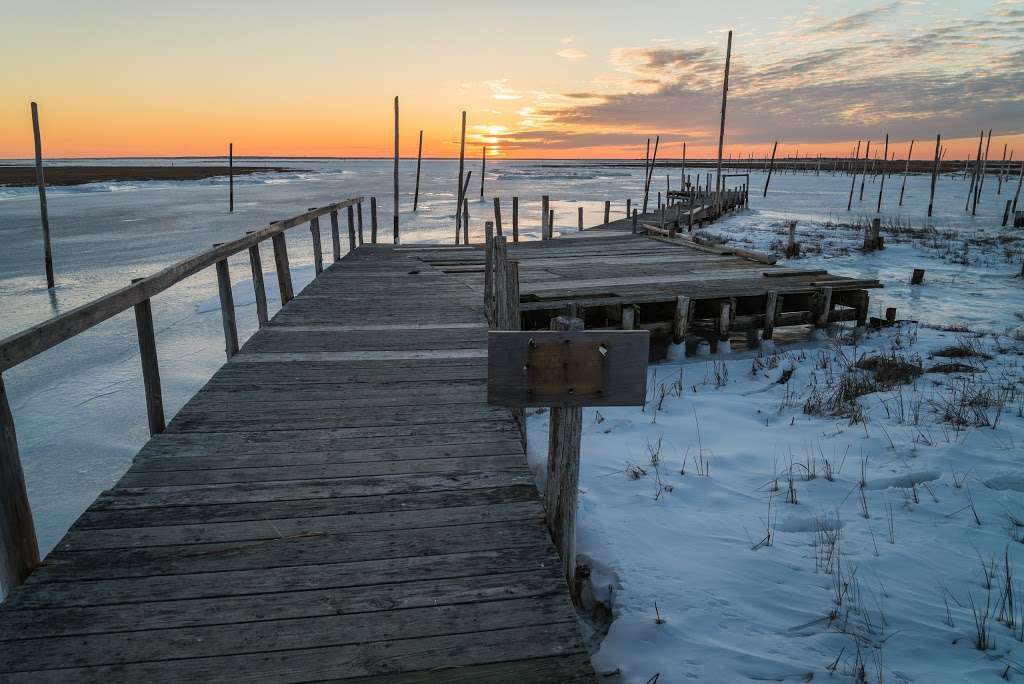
(572, 54)
(847, 78)
(566, 40)
(501, 91)
(856, 21)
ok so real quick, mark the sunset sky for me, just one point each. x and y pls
(537, 79)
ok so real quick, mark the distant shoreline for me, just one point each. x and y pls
(25, 176)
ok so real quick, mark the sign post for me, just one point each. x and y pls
(566, 369)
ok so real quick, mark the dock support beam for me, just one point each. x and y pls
(284, 274)
(19, 550)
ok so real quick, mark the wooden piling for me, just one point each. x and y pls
(544, 227)
(682, 175)
(792, 246)
(771, 167)
(634, 221)
(1002, 164)
(394, 210)
(284, 274)
(458, 189)
(515, 219)
(771, 308)
(628, 203)
(881, 182)
(681, 319)
(150, 365)
(44, 215)
(19, 550)
(935, 173)
(227, 308)
(917, 277)
(335, 236)
(258, 287)
(465, 210)
(373, 220)
(906, 171)
(1006, 212)
(650, 171)
(864, 172)
(560, 492)
(579, 211)
(607, 213)
(483, 169)
(627, 317)
(721, 129)
(551, 223)
(974, 171)
(419, 159)
(824, 306)
(231, 178)
(497, 215)
(1020, 180)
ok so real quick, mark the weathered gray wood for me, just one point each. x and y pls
(227, 308)
(44, 216)
(351, 230)
(483, 168)
(771, 167)
(419, 159)
(824, 306)
(19, 551)
(917, 277)
(545, 227)
(39, 338)
(721, 130)
(579, 218)
(318, 255)
(373, 220)
(497, 216)
(150, 367)
(335, 236)
(489, 271)
(628, 317)
(396, 238)
(460, 189)
(563, 469)
(515, 218)
(231, 178)
(259, 289)
(618, 357)
(935, 172)
(284, 273)
(607, 212)
(771, 309)
(681, 319)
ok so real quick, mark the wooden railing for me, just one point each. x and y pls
(19, 550)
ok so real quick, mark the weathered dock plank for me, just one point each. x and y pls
(338, 503)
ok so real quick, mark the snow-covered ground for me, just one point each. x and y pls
(746, 584)
(833, 505)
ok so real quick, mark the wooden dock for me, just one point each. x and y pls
(339, 502)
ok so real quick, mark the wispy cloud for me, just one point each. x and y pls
(572, 54)
(858, 75)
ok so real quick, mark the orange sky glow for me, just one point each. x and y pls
(143, 79)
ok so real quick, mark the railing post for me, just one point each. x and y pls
(489, 271)
(150, 365)
(19, 550)
(318, 255)
(284, 274)
(335, 236)
(351, 229)
(544, 228)
(359, 216)
(227, 308)
(259, 289)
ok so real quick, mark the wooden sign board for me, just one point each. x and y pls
(567, 368)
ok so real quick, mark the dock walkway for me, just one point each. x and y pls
(339, 502)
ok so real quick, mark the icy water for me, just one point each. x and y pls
(79, 408)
